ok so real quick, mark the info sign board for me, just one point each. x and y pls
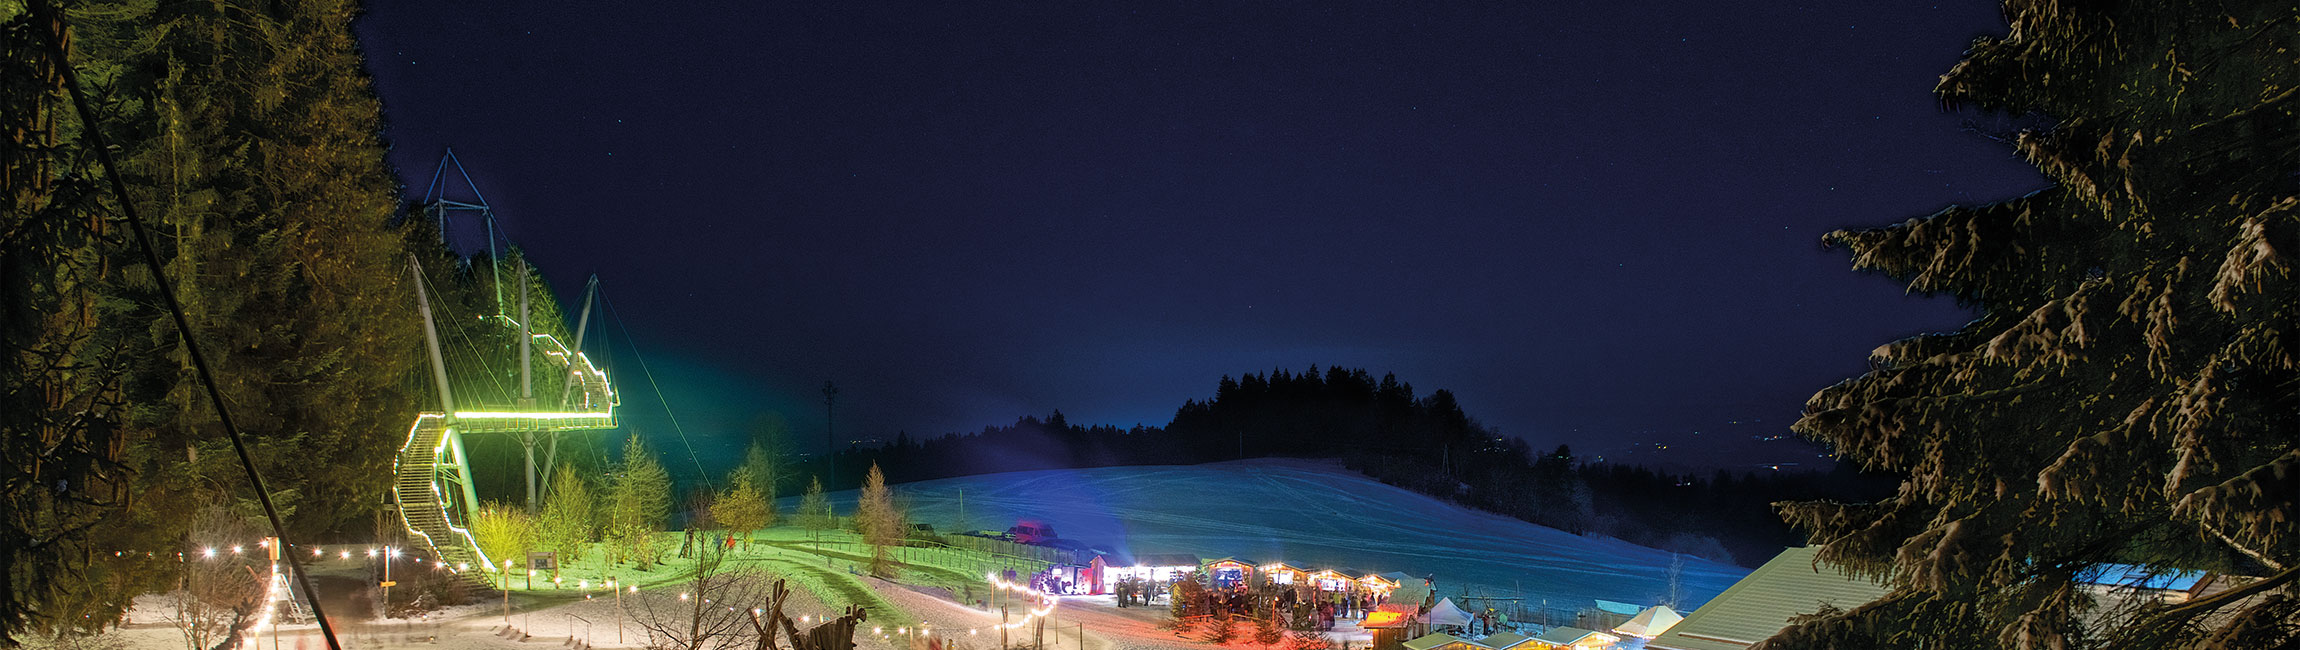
(543, 561)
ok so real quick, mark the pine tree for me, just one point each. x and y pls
(879, 522)
(741, 509)
(2127, 393)
(565, 526)
(760, 466)
(1266, 630)
(1219, 631)
(638, 503)
(247, 137)
(815, 510)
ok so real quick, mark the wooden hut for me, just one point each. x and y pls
(1281, 573)
(1229, 572)
(1333, 580)
(1380, 585)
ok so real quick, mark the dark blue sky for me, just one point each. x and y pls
(1589, 220)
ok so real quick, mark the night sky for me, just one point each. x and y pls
(1595, 222)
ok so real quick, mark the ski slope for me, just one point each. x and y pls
(1313, 515)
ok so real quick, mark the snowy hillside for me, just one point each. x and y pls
(1314, 515)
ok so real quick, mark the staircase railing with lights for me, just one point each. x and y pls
(432, 476)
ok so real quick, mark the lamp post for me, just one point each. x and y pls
(619, 607)
(388, 554)
(506, 572)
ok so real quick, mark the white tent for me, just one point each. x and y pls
(1651, 622)
(1446, 613)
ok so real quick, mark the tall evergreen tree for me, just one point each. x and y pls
(247, 137)
(638, 504)
(760, 467)
(815, 509)
(2129, 391)
(879, 522)
(565, 526)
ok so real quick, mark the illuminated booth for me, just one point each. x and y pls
(1280, 573)
(1333, 580)
(1229, 572)
(1158, 568)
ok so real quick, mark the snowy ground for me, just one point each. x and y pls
(1310, 514)
(1314, 515)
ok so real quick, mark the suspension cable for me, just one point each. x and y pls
(691, 456)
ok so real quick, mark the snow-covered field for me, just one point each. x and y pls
(1314, 515)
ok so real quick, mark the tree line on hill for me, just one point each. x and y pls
(1427, 444)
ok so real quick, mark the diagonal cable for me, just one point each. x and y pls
(51, 26)
(699, 473)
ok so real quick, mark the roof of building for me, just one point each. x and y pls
(1239, 560)
(1762, 603)
(1431, 641)
(1382, 619)
(1504, 640)
(2129, 575)
(1564, 635)
(1624, 609)
(1651, 622)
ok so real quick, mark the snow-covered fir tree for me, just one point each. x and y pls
(2128, 391)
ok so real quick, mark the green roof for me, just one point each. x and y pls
(1563, 635)
(1763, 602)
(1624, 609)
(1503, 640)
(1429, 641)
